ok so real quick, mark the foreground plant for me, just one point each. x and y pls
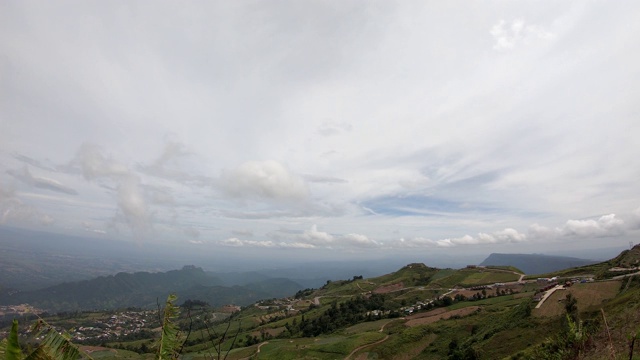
(54, 346)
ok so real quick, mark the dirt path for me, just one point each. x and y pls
(366, 345)
(257, 351)
(548, 293)
(261, 345)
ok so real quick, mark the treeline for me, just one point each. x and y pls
(374, 307)
(339, 315)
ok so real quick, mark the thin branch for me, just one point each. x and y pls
(158, 306)
(235, 337)
(188, 332)
(224, 335)
(206, 326)
(613, 352)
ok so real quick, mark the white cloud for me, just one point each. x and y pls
(15, 211)
(235, 242)
(130, 195)
(537, 231)
(263, 180)
(315, 237)
(359, 240)
(508, 35)
(41, 182)
(310, 239)
(95, 165)
(507, 235)
(132, 203)
(606, 225)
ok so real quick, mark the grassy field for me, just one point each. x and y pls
(330, 347)
(471, 277)
(367, 326)
(505, 300)
(488, 277)
(590, 297)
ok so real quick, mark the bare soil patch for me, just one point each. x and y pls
(442, 316)
(429, 313)
(90, 349)
(388, 288)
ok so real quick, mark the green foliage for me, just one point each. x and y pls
(54, 346)
(13, 351)
(517, 316)
(169, 345)
(338, 316)
(569, 344)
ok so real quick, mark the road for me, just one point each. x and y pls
(548, 293)
(625, 275)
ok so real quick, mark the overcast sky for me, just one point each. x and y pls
(361, 127)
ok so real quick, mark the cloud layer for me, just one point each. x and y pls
(363, 127)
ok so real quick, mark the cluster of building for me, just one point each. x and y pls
(115, 326)
(18, 310)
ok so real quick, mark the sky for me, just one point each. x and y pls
(323, 128)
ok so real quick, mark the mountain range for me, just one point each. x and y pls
(143, 289)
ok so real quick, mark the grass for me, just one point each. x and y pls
(367, 326)
(471, 277)
(590, 297)
(331, 347)
(508, 268)
(119, 354)
(504, 343)
(488, 277)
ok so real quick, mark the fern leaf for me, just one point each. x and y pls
(169, 342)
(12, 350)
(54, 346)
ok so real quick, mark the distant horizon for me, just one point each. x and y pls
(230, 262)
